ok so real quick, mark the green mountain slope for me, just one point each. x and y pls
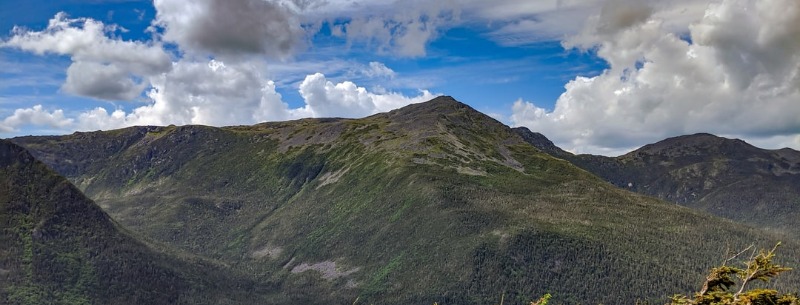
(724, 177)
(60, 248)
(434, 202)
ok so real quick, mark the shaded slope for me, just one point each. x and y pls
(60, 248)
(431, 202)
(725, 177)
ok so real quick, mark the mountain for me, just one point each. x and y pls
(61, 248)
(725, 177)
(433, 202)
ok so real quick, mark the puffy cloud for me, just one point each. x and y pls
(752, 40)
(191, 90)
(405, 32)
(218, 94)
(100, 119)
(325, 99)
(737, 74)
(210, 93)
(103, 67)
(86, 39)
(377, 69)
(214, 93)
(188, 91)
(226, 27)
(103, 81)
(35, 115)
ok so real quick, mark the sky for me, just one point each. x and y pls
(595, 76)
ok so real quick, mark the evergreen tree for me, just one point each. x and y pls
(729, 285)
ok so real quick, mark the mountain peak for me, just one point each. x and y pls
(439, 105)
(446, 113)
(443, 100)
(698, 144)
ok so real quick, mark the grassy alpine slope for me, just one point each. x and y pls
(431, 202)
(60, 248)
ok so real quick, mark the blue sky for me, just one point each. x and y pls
(595, 76)
(462, 62)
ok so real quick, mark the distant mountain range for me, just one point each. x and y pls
(725, 177)
(433, 202)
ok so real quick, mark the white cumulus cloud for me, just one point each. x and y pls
(35, 115)
(210, 93)
(218, 94)
(230, 89)
(102, 81)
(102, 67)
(325, 99)
(737, 74)
(231, 27)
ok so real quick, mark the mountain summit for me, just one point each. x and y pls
(433, 202)
(701, 144)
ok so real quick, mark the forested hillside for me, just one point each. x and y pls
(58, 247)
(433, 202)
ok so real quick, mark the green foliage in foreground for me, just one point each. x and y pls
(729, 285)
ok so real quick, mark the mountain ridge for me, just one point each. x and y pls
(725, 177)
(434, 202)
(59, 247)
